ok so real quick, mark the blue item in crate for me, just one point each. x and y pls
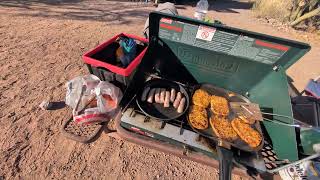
(127, 50)
(313, 88)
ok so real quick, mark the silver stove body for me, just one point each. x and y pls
(155, 128)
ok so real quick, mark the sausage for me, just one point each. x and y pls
(162, 95)
(172, 95)
(177, 100)
(151, 96)
(181, 105)
(145, 93)
(167, 99)
(157, 95)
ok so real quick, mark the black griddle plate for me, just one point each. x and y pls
(231, 97)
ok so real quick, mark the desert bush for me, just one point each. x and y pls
(278, 9)
(292, 11)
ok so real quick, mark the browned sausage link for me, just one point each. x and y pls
(151, 95)
(177, 100)
(162, 95)
(145, 94)
(181, 105)
(167, 99)
(172, 95)
(157, 95)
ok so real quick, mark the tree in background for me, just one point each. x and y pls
(305, 10)
(293, 11)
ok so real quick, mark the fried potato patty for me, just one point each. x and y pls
(219, 105)
(198, 117)
(201, 98)
(222, 128)
(246, 133)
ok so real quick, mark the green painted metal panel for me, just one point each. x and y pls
(218, 69)
(272, 95)
(294, 50)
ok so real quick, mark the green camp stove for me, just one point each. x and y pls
(254, 65)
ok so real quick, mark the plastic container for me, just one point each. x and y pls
(201, 10)
(101, 61)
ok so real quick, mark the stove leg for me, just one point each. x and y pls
(198, 138)
(163, 125)
(132, 113)
(181, 129)
(146, 119)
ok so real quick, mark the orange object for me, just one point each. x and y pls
(109, 101)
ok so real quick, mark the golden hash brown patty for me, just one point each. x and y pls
(219, 105)
(246, 133)
(198, 117)
(201, 98)
(222, 128)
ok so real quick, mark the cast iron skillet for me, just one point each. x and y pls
(156, 110)
(223, 148)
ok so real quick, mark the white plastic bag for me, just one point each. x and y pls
(92, 100)
(108, 96)
(80, 91)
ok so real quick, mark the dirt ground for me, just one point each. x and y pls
(41, 43)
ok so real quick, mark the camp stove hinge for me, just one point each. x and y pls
(275, 68)
(156, 40)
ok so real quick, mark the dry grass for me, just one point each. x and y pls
(278, 9)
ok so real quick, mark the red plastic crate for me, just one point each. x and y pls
(88, 59)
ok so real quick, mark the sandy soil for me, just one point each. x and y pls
(41, 43)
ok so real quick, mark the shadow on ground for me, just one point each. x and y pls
(230, 6)
(57, 105)
(111, 12)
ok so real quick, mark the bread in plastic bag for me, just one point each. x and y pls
(92, 100)
(80, 91)
(108, 96)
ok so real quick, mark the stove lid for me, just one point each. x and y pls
(232, 58)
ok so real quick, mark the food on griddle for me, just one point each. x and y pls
(247, 120)
(177, 100)
(145, 94)
(157, 95)
(222, 128)
(246, 133)
(198, 117)
(162, 95)
(167, 99)
(172, 95)
(201, 98)
(219, 105)
(151, 95)
(181, 105)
